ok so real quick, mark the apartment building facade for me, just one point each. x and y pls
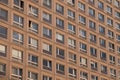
(59, 39)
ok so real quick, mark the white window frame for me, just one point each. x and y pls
(73, 72)
(33, 10)
(70, 2)
(19, 5)
(20, 20)
(17, 54)
(46, 47)
(58, 67)
(31, 26)
(33, 42)
(81, 48)
(60, 37)
(82, 33)
(46, 16)
(72, 57)
(71, 14)
(2, 48)
(83, 61)
(71, 42)
(31, 73)
(20, 37)
(18, 71)
(2, 68)
(81, 6)
(109, 9)
(30, 59)
(82, 19)
(82, 75)
(72, 26)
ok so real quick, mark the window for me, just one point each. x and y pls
(71, 2)
(60, 53)
(109, 22)
(60, 68)
(18, 20)
(117, 37)
(3, 32)
(33, 11)
(47, 32)
(33, 43)
(33, 26)
(3, 50)
(94, 77)
(118, 61)
(18, 37)
(46, 77)
(93, 51)
(82, 33)
(117, 3)
(83, 61)
(100, 5)
(103, 55)
(72, 57)
(112, 59)
(59, 9)
(100, 17)
(94, 65)
(103, 69)
(91, 12)
(109, 10)
(71, 43)
(111, 46)
(102, 42)
(71, 14)
(101, 30)
(3, 14)
(109, 1)
(91, 1)
(17, 72)
(93, 38)
(112, 72)
(33, 60)
(19, 4)
(83, 75)
(83, 47)
(47, 64)
(92, 25)
(2, 69)
(110, 34)
(117, 14)
(4, 1)
(81, 6)
(117, 26)
(17, 55)
(71, 28)
(60, 38)
(47, 3)
(72, 72)
(59, 23)
(47, 48)
(32, 76)
(118, 49)
(82, 20)
(47, 17)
